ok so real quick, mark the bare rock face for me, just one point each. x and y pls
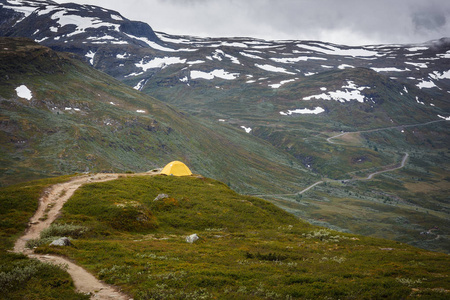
(61, 242)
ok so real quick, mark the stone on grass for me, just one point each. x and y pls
(61, 242)
(160, 197)
(192, 238)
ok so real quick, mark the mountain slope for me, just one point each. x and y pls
(77, 119)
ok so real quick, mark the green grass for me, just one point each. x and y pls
(21, 277)
(248, 248)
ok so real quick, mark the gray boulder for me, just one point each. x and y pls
(192, 238)
(61, 242)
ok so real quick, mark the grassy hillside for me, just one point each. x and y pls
(80, 119)
(248, 248)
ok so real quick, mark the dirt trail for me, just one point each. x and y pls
(402, 164)
(51, 204)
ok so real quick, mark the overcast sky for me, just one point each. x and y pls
(351, 22)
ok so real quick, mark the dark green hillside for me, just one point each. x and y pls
(248, 248)
(80, 119)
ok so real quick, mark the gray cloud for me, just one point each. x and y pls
(344, 21)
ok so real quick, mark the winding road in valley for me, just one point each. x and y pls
(50, 204)
(370, 176)
(330, 139)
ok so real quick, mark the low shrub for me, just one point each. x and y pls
(59, 230)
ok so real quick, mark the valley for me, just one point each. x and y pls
(321, 171)
(351, 138)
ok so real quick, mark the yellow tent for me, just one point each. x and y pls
(176, 168)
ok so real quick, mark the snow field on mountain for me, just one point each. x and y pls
(350, 92)
(24, 92)
(26, 10)
(64, 18)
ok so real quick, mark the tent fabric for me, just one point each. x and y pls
(176, 168)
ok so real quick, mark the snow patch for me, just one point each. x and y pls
(415, 49)
(247, 129)
(344, 66)
(220, 73)
(331, 50)
(91, 55)
(390, 69)
(444, 55)
(419, 65)
(159, 62)
(420, 102)
(250, 55)
(288, 60)
(195, 62)
(445, 118)
(426, 84)
(277, 85)
(24, 92)
(122, 56)
(116, 17)
(439, 75)
(271, 68)
(303, 111)
(140, 85)
(156, 46)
